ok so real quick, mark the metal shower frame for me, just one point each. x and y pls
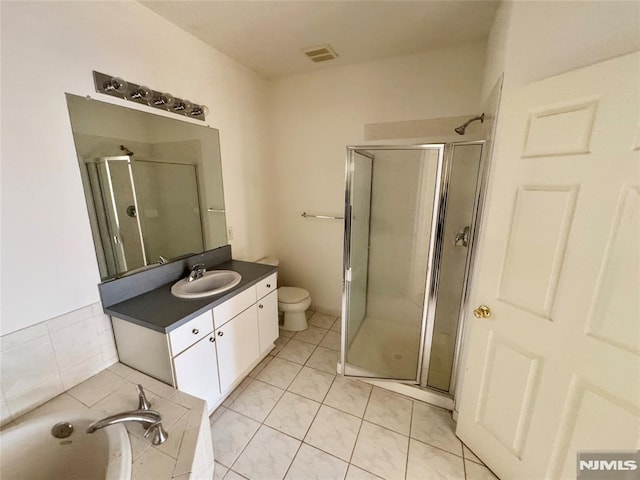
(443, 174)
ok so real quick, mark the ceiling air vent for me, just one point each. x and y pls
(320, 53)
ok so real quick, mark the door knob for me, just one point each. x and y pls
(482, 312)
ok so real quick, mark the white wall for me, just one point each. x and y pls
(49, 48)
(315, 116)
(532, 40)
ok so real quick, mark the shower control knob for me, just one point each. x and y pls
(482, 312)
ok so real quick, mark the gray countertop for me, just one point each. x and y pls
(159, 310)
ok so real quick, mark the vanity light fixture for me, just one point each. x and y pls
(117, 87)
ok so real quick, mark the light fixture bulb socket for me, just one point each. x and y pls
(165, 100)
(183, 105)
(116, 84)
(198, 110)
(141, 93)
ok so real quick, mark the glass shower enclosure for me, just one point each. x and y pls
(409, 228)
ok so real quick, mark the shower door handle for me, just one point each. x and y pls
(462, 238)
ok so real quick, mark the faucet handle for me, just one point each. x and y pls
(143, 403)
(197, 271)
(160, 435)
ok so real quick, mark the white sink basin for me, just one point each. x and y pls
(211, 283)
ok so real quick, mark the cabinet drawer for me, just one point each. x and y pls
(266, 286)
(186, 335)
(232, 307)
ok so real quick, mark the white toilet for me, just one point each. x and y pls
(292, 301)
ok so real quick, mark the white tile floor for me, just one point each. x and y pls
(293, 418)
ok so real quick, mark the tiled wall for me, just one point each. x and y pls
(41, 361)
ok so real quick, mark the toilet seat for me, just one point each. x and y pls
(292, 294)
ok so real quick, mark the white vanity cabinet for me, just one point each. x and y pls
(238, 346)
(244, 329)
(196, 370)
(211, 353)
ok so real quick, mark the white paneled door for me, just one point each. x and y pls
(555, 369)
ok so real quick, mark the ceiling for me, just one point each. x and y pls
(270, 36)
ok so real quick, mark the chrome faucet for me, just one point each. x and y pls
(143, 403)
(197, 271)
(149, 419)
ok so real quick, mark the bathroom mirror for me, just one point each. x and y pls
(153, 185)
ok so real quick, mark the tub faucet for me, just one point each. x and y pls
(197, 271)
(143, 403)
(149, 419)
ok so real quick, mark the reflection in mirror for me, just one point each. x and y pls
(153, 185)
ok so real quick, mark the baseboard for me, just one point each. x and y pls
(326, 311)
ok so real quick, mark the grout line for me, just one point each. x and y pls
(361, 423)
(309, 428)
(464, 468)
(229, 470)
(406, 460)
(438, 448)
(293, 459)
(244, 448)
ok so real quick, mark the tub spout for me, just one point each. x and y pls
(149, 419)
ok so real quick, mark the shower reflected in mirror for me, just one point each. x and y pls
(153, 185)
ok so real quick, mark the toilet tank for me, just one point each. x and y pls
(269, 261)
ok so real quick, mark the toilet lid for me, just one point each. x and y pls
(292, 294)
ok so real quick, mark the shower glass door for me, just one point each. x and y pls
(115, 208)
(392, 198)
(170, 213)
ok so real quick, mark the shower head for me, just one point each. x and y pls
(460, 130)
(126, 150)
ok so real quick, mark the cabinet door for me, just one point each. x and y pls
(237, 346)
(268, 320)
(196, 370)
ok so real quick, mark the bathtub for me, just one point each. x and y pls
(30, 451)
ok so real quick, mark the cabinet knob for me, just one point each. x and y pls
(220, 334)
(268, 285)
(195, 331)
(260, 306)
(212, 339)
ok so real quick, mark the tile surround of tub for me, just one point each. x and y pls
(41, 361)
